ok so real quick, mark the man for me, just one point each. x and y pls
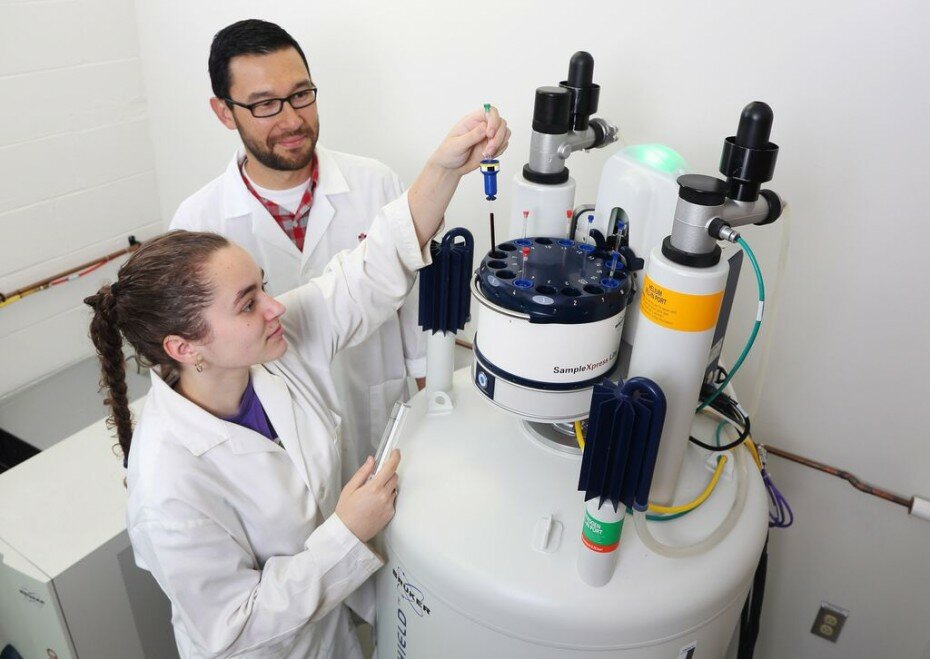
(293, 204)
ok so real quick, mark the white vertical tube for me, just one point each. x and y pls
(600, 538)
(546, 203)
(440, 364)
(678, 317)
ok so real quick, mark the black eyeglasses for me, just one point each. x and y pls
(272, 106)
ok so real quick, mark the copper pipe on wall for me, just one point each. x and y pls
(852, 479)
(45, 283)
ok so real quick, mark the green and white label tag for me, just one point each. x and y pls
(600, 536)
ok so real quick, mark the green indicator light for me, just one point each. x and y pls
(659, 157)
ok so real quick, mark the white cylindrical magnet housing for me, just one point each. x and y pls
(678, 316)
(546, 204)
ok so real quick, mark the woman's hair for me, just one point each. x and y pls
(160, 290)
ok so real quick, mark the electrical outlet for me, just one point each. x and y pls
(829, 621)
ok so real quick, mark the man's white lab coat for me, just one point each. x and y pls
(240, 532)
(351, 190)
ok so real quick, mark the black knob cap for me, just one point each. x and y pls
(580, 69)
(584, 93)
(552, 111)
(748, 158)
(755, 126)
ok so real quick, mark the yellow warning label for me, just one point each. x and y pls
(679, 311)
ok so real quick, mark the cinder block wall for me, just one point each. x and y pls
(76, 170)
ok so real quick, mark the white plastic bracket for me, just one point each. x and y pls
(547, 535)
(440, 402)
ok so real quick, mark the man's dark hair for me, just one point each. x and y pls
(249, 37)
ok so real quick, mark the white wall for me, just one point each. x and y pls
(76, 169)
(839, 375)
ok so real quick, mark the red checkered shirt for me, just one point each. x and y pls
(293, 224)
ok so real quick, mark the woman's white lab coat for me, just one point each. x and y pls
(241, 532)
(370, 376)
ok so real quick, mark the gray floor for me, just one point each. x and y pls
(60, 405)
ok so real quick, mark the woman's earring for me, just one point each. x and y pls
(199, 364)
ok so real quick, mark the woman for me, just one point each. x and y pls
(234, 501)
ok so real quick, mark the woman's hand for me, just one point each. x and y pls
(366, 506)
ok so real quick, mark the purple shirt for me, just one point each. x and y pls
(252, 415)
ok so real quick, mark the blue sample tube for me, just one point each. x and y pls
(489, 169)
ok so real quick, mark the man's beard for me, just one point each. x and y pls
(266, 155)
